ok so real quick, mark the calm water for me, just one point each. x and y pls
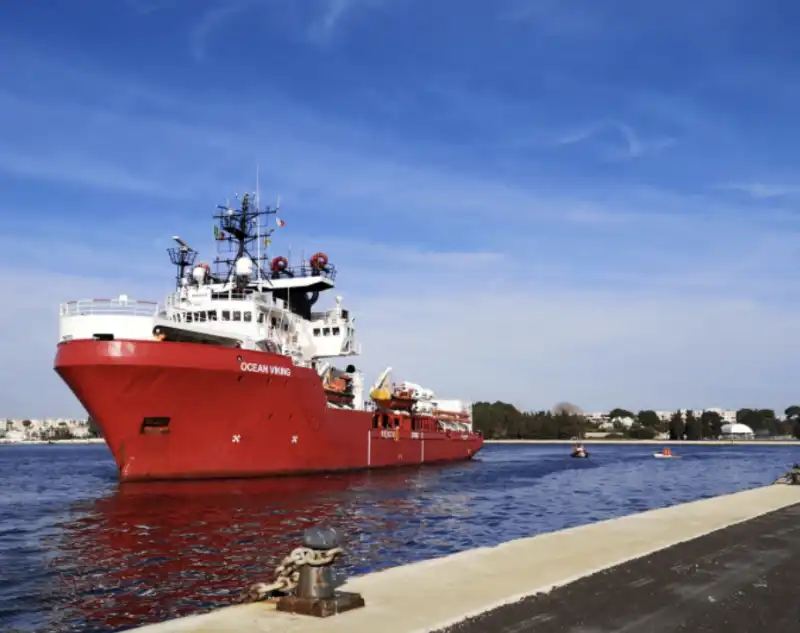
(80, 553)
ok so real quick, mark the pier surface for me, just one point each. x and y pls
(740, 579)
(497, 583)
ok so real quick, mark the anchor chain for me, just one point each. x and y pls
(287, 574)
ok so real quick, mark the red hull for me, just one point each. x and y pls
(224, 421)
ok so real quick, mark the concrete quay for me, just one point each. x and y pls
(487, 582)
(740, 579)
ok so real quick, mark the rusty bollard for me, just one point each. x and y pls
(316, 592)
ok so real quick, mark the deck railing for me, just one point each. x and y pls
(119, 307)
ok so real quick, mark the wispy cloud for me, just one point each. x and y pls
(213, 20)
(319, 19)
(761, 190)
(628, 143)
(554, 17)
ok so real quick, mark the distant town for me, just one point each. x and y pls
(30, 430)
(649, 424)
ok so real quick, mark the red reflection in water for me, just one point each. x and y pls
(153, 551)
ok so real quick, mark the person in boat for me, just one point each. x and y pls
(666, 451)
(578, 450)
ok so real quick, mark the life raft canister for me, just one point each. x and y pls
(319, 261)
(279, 264)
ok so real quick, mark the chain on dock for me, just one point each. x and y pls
(287, 574)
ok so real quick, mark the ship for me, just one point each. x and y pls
(233, 375)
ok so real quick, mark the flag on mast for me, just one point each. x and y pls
(280, 222)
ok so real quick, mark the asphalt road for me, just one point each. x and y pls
(743, 579)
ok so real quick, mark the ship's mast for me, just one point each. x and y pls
(183, 257)
(236, 231)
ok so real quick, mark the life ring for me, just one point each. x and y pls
(279, 264)
(319, 261)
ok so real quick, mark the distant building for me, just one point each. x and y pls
(31, 429)
(737, 431)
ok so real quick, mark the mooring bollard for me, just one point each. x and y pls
(309, 571)
(318, 579)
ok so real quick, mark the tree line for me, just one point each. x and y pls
(500, 420)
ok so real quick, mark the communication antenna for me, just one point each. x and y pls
(182, 257)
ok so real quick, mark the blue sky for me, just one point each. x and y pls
(528, 200)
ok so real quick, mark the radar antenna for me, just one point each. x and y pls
(237, 232)
(182, 257)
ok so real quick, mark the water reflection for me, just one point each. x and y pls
(153, 551)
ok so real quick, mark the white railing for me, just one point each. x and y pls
(120, 307)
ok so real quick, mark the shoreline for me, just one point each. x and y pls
(449, 590)
(88, 440)
(656, 442)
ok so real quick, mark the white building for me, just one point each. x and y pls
(34, 429)
(736, 431)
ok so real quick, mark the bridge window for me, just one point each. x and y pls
(316, 331)
(248, 317)
(200, 316)
(237, 315)
(188, 317)
(336, 331)
(226, 315)
(212, 315)
(326, 331)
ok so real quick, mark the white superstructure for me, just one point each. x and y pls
(251, 302)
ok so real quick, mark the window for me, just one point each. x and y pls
(248, 317)
(237, 315)
(326, 331)
(316, 331)
(226, 315)
(273, 321)
(261, 318)
(188, 317)
(212, 315)
(336, 331)
(200, 316)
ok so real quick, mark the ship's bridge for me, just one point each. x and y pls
(120, 318)
(333, 333)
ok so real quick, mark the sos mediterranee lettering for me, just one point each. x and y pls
(272, 370)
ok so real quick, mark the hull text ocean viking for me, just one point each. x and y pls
(272, 370)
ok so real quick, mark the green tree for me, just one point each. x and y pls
(620, 413)
(711, 423)
(793, 413)
(94, 428)
(797, 430)
(676, 426)
(649, 419)
(693, 427)
(640, 432)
